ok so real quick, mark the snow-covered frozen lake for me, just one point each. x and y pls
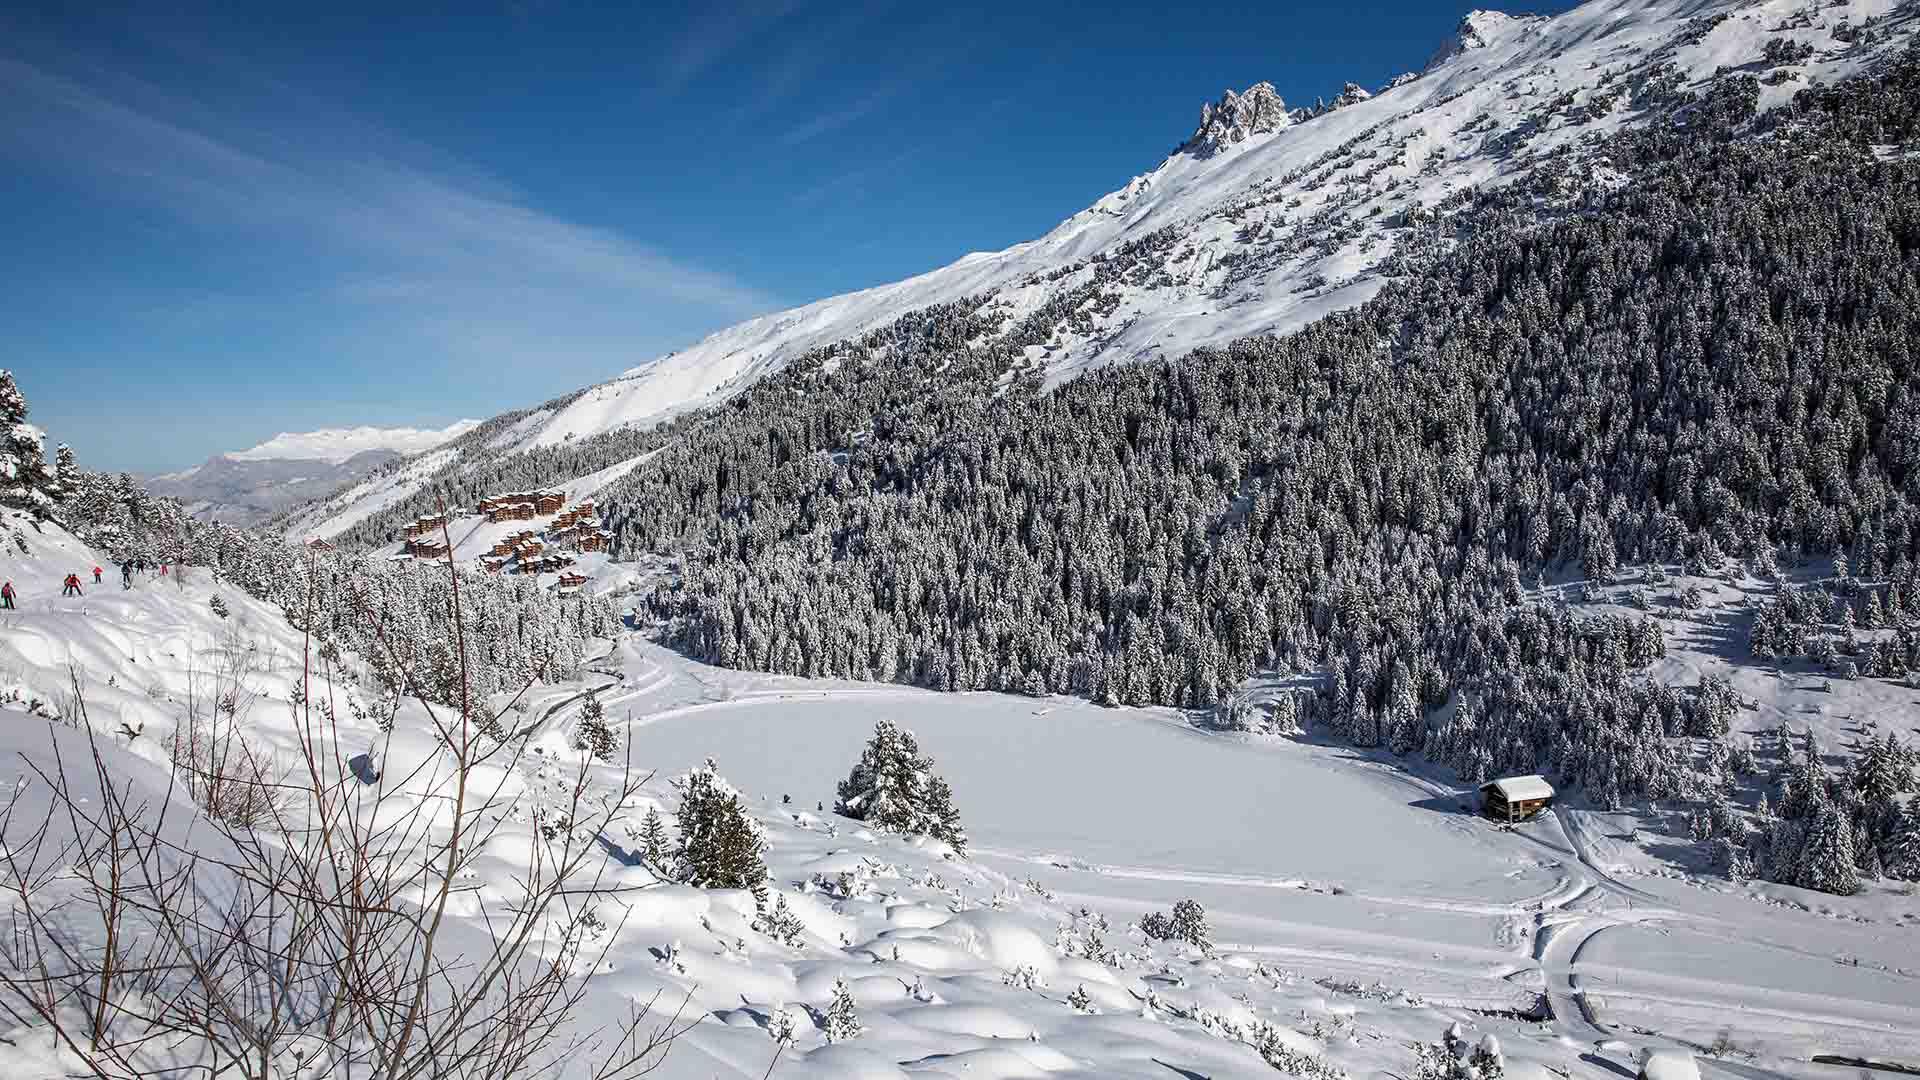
(1134, 792)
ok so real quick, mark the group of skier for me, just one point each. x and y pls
(71, 586)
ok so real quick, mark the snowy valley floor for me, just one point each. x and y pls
(1354, 904)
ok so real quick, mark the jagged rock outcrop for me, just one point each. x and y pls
(1236, 116)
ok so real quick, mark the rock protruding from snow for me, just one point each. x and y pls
(1478, 30)
(1236, 117)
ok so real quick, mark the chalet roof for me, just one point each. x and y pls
(1520, 788)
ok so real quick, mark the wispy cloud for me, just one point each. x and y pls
(832, 120)
(714, 33)
(400, 223)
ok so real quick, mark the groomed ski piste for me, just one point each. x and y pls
(1355, 905)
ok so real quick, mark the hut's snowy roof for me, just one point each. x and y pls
(1521, 788)
(1669, 1065)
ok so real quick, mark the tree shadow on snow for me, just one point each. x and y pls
(1611, 1066)
(621, 855)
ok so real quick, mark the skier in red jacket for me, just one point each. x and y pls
(96, 575)
(6, 596)
(72, 587)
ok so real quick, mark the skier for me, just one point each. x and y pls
(126, 575)
(72, 587)
(6, 596)
(96, 575)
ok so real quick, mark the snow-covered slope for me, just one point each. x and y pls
(1267, 218)
(1368, 914)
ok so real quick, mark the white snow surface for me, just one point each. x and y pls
(1353, 904)
(335, 445)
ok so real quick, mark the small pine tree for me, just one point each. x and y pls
(843, 1022)
(218, 605)
(1190, 925)
(893, 787)
(782, 1026)
(1080, 1001)
(655, 844)
(592, 733)
(945, 816)
(781, 924)
(720, 846)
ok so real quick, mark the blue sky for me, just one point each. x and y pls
(221, 226)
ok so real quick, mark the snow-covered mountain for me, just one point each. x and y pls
(337, 445)
(250, 485)
(1266, 216)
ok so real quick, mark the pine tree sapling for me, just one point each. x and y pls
(1188, 924)
(842, 1021)
(1079, 1001)
(591, 732)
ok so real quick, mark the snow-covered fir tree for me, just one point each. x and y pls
(842, 1019)
(655, 845)
(592, 733)
(26, 483)
(893, 787)
(720, 845)
(1826, 860)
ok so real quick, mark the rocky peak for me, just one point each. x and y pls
(1236, 116)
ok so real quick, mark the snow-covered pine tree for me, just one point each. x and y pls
(781, 924)
(945, 816)
(25, 481)
(1900, 858)
(66, 472)
(591, 733)
(1827, 859)
(655, 844)
(893, 787)
(842, 1021)
(720, 846)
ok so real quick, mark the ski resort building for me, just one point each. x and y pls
(521, 505)
(419, 527)
(1515, 798)
(425, 548)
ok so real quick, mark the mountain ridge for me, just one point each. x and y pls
(1284, 216)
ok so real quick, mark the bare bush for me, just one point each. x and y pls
(312, 924)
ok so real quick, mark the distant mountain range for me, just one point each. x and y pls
(248, 486)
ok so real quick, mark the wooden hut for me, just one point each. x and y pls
(1515, 798)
